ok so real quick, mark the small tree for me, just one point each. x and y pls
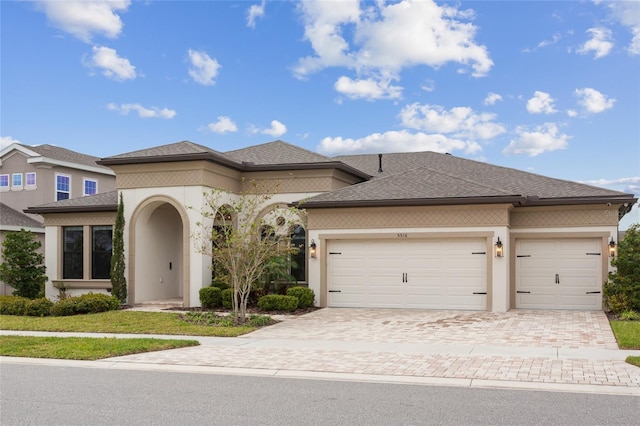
(241, 242)
(22, 267)
(622, 292)
(118, 280)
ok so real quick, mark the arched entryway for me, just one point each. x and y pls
(159, 255)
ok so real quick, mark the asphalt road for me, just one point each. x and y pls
(52, 395)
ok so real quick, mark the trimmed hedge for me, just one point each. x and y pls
(278, 302)
(13, 305)
(40, 307)
(227, 298)
(222, 285)
(305, 296)
(210, 297)
(89, 303)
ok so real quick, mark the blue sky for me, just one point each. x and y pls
(544, 86)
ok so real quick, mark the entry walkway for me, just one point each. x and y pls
(557, 350)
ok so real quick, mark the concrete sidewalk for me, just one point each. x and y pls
(281, 350)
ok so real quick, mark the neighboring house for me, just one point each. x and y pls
(33, 175)
(407, 230)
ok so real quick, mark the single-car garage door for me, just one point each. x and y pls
(421, 274)
(559, 274)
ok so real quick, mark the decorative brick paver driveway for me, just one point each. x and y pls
(554, 347)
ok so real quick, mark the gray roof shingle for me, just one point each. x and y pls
(63, 154)
(12, 217)
(105, 201)
(277, 152)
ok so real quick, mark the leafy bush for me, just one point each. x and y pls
(622, 291)
(210, 297)
(259, 320)
(40, 307)
(278, 302)
(227, 298)
(630, 316)
(89, 303)
(22, 267)
(221, 284)
(13, 305)
(305, 296)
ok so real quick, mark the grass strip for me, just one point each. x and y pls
(133, 322)
(83, 348)
(633, 360)
(627, 333)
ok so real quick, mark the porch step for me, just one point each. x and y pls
(161, 304)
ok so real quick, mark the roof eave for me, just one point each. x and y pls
(110, 161)
(71, 209)
(250, 167)
(513, 199)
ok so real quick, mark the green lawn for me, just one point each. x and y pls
(134, 322)
(83, 348)
(628, 336)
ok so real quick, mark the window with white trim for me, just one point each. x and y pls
(4, 182)
(16, 181)
(90, 187)
(30, 179)
(63, 187)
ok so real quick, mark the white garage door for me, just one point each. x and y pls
(559, 274)
(421, 274)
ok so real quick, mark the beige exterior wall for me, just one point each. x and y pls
(564, 216)
(393, 217)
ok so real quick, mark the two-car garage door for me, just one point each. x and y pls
(559, 274)
(425, 274)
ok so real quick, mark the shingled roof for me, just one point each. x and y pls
(447, 172)
(55, 155)
(105, 201)
(276, 152)
(13, 219)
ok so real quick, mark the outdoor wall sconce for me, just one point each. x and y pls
(612, 248)
(498, 248)
(312, 249)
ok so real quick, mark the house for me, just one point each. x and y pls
(406, 230)
(33, 175)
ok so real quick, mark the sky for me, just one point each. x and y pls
(549, 87)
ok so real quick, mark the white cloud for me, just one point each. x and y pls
(153, 112)
(545, 138)
(223, 125)
(628, 14)
(113, 66)
(389, 37)
(541, 103)
(572, 113)
(395, 141)
(492, 98)
(254, 12)
(5, 141)
(203, 69)
(615, 182)
(600, 42)
(367, 89)
(460, 122)
(277, 129)
(593, 101)
(84, 19)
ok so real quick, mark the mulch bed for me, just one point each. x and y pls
(250, 310)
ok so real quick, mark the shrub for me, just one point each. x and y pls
(622, 291)
(278, 302)
(210, 297)
(222, 285)
(89, 303)
(630, 316)
(227, 298)
(13, 305)
(22, 267)
(259, 320)
(40, 307)
(305, 296)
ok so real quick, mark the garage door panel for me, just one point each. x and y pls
(409, 273)
(558, 273)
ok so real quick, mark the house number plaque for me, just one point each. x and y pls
(402, 235)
